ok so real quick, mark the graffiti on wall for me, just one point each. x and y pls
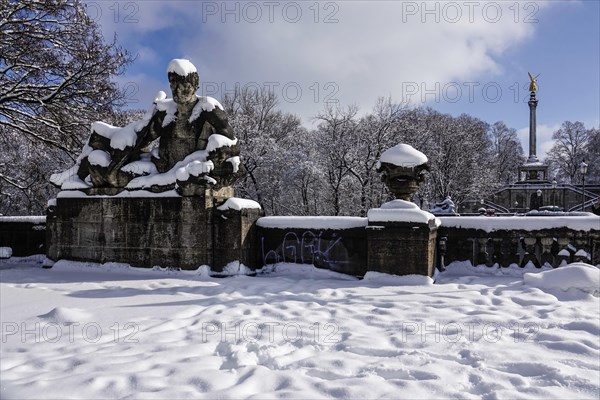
(307, 248)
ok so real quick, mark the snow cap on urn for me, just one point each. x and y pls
(402, 168)
(403, 155)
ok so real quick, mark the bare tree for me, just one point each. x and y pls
(593, 156)
(459, 156)
(55, 79)
(569, 150)
(376, 133)
(337, 138)
(507, 153)
(265, 134)
(303, 175)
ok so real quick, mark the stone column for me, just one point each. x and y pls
(532, 129)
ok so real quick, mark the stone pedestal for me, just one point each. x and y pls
(236, 238)
(161, 231)
(401, 239)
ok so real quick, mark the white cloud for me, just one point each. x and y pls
(543, 137)
(374, 49)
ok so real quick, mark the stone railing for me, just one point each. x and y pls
(519, 240)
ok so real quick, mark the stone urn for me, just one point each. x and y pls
(402, 169)
(401, 238)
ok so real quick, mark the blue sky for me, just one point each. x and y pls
(457, 57)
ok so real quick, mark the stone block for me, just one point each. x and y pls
(236, 237)
(153, 231)
(166, 231)
(401, 239)
(401, 248)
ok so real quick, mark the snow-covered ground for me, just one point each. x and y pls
(83, 331)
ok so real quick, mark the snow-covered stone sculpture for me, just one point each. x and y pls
(402, 169)
(184, 143)
(536, 200)
(446, 207)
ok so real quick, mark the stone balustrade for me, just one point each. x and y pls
(520, 240)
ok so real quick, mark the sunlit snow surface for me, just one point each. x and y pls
(85, 331)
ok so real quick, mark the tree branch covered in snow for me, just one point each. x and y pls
(55, 79)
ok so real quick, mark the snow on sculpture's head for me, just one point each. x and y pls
(184, 80)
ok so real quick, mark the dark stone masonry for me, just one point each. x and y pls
(339, 250)
(402, 248)
(26, 236)
(151, 231)
(85, 229)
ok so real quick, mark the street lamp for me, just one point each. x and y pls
(553, 190)
(583, 169)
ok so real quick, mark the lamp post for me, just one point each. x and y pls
(553, 190)
(583, 169)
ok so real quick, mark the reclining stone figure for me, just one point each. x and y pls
(196, 146)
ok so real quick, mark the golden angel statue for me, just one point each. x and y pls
(533, 85)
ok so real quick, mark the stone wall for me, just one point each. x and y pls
(391, 247)
(178, 231)
(236, 237)
(340, 250)
(165, 231)
(183, 232)
(350, 245)
(26, 236)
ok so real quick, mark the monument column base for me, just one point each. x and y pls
(401, 239)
